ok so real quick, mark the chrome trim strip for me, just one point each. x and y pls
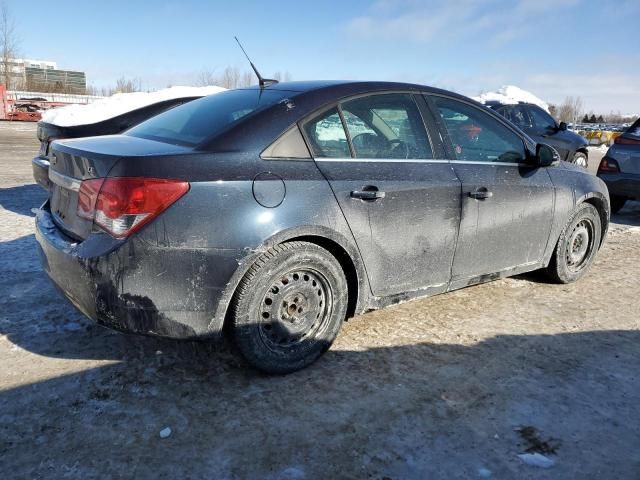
(66, 182)
(41, 162)
(472, 162)
(417, 160)
(382, 160)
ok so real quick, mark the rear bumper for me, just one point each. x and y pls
(132, 286)
(622, 184)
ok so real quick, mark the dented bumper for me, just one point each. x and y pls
(134, 286)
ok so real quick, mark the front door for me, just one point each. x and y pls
(403, 206)
(507, 204)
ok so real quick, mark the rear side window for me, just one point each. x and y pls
(476, 135)
(326, 136)
(190, 124)
(518, 115)
(386, 126)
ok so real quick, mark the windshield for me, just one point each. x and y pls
(634, 130)
(193, 122)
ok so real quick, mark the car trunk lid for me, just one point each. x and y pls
(73, 161)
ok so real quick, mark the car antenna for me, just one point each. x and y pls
(262, 81)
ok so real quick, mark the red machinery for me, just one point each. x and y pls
(28, 106)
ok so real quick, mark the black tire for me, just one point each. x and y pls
(289, 307)
(616, 203)
(581, 159)
(569, 261)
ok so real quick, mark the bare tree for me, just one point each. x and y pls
(282, 77)
(248, 78)
(232, 77)
(206, 78)
(570, 110)
(127, 85)
(9, 43)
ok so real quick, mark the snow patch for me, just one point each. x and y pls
(118, 104)
(510, 94)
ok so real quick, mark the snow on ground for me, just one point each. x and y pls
(510, 94)
(118, 104)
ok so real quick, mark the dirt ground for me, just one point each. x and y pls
(455, 386)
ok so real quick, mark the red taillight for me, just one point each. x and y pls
(121, 205)
(87, 197)
(608, 165)
(626, 141)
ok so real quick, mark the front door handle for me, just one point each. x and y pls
(368, 193)
(481, 193)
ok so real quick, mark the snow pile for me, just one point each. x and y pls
(118, 104)
(510, 94)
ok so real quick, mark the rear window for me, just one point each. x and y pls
(190, 124)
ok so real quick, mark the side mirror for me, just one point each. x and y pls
(562, 126)
(546, 155)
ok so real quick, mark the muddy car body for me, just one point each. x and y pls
(279, 217)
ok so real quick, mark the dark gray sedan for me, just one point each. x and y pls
(620, 168)
(277, 212)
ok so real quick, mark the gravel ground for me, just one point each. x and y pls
(455, 386)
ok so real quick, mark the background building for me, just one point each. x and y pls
(41, 76)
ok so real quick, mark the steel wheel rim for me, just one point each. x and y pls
(579, 245)
(295, 308)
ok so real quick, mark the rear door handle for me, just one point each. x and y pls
(367, 194)
(481, 194)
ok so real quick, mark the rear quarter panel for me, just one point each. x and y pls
(220, 213)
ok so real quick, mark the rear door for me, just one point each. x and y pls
(402, 205)
(507, 205)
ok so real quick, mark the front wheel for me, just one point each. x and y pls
(580, 159)
(289, 307)
(577, 245)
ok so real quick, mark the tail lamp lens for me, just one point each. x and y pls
(608, 165)
(122, 205)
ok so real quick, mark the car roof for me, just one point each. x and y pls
(498, 103)
(308, 97)
(339, 88)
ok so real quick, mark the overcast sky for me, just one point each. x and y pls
(552, 48)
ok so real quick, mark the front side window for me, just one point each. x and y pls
(193, 122)
(476, 135)
(386, 126)
(326, 136)
(542, 119)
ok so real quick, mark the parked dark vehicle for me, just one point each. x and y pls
(278, 212)
(620, 168)
(48, 132)
(543, 128)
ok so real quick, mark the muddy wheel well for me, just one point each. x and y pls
(601, 207)
(345, 261)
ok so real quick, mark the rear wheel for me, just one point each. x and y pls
(289, 307)
(580, 159)
(577, 245)
(616, 203)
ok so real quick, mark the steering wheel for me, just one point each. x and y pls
(397, 145)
